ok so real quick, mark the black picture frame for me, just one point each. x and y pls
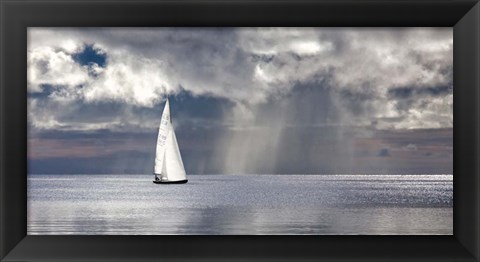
(16, 16)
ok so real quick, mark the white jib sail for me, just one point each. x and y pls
(168, 161)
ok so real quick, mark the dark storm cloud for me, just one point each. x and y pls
(359, 103)
(410, 92)
(383, 152)
(307, 104)
(205, 111)
(406, 98)
(46, 90)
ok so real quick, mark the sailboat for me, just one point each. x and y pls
(169, 167)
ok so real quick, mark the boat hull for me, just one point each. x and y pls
(171, 182)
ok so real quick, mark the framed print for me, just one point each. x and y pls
(240, 130)
(263, 131)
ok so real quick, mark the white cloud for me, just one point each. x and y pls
(309, 47)
(247, 66)
(48, 66)
(131, 80)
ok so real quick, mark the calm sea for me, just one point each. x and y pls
(241, 204)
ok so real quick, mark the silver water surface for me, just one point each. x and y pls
(241, 204)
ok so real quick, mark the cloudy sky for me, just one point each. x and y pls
(243, 100)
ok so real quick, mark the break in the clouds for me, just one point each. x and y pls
(257, 87)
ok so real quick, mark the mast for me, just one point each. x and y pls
(162, 139)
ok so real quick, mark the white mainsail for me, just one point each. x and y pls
(168, 161)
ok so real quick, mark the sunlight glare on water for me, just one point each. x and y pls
(241, 204)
